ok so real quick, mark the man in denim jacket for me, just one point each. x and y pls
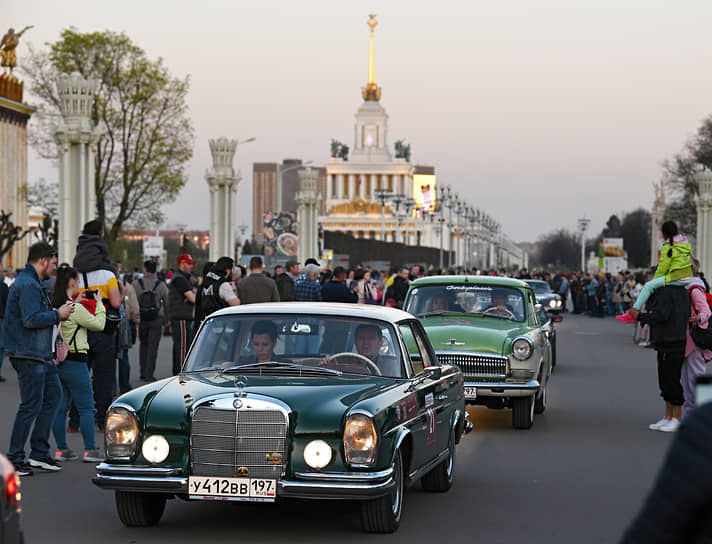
(28, 333)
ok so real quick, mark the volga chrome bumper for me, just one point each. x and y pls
(306, 485)
(504, 389)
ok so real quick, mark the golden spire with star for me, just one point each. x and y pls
(371, 92)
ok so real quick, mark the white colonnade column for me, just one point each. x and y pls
(223, 181)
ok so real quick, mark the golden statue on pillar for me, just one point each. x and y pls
(371, 92)
(8, 44)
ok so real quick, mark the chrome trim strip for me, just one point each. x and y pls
(533, 384)
(351, 477)
(472, 353)
(334, 490)
(106, 468)
(160, 484)
(417, 473)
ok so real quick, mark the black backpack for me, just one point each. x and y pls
(148, 302)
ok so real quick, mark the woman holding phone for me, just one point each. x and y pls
(89, 314)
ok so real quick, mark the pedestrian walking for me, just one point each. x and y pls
(696, 357)
(668, 315)
(98, 273)
(88, 314)
(335, 290)
(257, 287)
(308, 289)
(395, 294)
(217, 291)
(564, 292)
(152, 296)
(181, 305)
(128, 332)
(364, 289)
(28, 335)
(286, 280)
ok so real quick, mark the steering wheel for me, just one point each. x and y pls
(361, 359)
(498, 309)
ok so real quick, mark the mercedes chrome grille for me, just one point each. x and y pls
(230, 443)
(478, 366)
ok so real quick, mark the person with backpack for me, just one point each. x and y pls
(89, 314)
(182, 302)
(152, 297)
(216, 291)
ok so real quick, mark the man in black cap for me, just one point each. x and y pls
(285, 281)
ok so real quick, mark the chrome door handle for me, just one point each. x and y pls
(441, 397)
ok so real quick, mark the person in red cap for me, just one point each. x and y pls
(181, 302)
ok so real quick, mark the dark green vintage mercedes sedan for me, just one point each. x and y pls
(298, 400)
(490, 328)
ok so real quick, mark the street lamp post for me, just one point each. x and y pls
(280, 175)
(383, 195)
(583, 224)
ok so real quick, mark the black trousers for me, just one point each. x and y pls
(149, 334)
(102, 361)
(669, 372)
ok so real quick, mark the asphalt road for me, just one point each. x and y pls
(579, 475)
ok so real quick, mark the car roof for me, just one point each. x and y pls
(368, 311)
(480, 280)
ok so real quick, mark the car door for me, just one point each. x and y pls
(431, 428)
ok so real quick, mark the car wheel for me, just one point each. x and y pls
(382, 515)
(441, 477)
(553, 354)
(523, 412)
(140, 509)
(540, 404)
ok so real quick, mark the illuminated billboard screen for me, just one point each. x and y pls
(424, 194)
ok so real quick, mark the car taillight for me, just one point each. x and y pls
(12, 489)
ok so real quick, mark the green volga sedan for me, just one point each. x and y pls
(490, 328)
(290, 400)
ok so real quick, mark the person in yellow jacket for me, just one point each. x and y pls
(89, 314)
(674, 268)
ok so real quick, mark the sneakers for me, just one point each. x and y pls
(671, 426)
(49, 464)
(626, 318)
(23, 469)
(93, 456)
(656, 426)
(65, 455)
(72, 429)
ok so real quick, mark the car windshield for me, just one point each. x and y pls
(471, 298)
(296, 344)
(540, 287)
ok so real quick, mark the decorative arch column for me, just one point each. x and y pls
(703, 202)
(223, 181)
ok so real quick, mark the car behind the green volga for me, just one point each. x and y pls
(297, 400)
(490, 328)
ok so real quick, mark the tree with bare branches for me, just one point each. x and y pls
(10, 233)
(141, 158)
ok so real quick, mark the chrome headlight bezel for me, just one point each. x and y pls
(121, 433)
(360, 440)
(522, 348)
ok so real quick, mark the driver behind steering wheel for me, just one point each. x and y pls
(500, 305)
(368, 341)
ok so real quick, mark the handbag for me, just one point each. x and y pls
(702, 337)
(62, 349)
(113, 316)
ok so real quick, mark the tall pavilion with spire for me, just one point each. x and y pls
(354, 182)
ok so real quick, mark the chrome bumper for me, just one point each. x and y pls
(504, 389)
(306, 485)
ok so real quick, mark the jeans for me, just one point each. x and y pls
(2, 351)
(124, 371)
(149, 335)
(620, 308)
(182, 332)
(693, 366)
(40, 397)
(76, 383)
(102, 360)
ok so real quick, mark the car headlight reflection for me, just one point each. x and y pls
(155, 449)
(552, 303)
(121, 434)
(317, 454)
(360, 440)
(522, 349)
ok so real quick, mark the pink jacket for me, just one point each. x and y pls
(703, 310)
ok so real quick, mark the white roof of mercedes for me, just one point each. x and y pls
(368, 311)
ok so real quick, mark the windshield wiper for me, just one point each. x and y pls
(498, 316)
(437, 312)
(276, 365)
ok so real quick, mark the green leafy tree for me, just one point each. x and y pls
(141, 158)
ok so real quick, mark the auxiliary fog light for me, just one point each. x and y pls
(155, 449)
(317, 454)
(552, 304)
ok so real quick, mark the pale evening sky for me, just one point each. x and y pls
(537, 112)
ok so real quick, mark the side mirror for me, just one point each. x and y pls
(433, 372)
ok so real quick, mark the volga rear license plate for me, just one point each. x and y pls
(232, 489)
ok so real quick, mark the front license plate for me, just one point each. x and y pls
(470, 392)
(232, 489)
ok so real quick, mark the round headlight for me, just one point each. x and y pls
(360, 440)
(317, 454)
(155, 449)
(552, 303)
(121, 433)
(522, 349)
